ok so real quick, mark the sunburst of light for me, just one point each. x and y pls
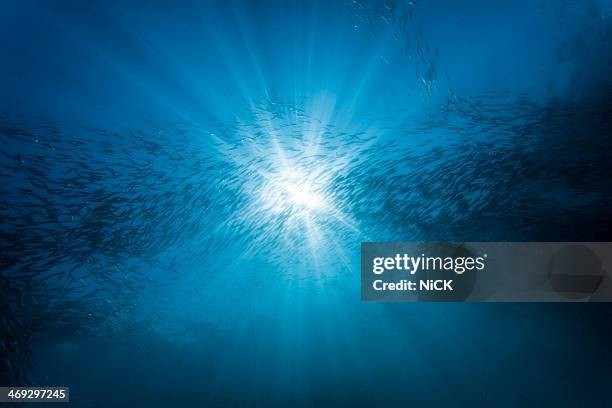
(294, 192)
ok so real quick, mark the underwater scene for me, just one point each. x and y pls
(185, 187)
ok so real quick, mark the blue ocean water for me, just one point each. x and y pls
(186, 186)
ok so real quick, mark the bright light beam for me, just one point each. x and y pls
(295, 193)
